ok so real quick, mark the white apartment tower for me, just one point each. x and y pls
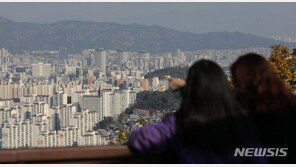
(100, 59)
(158, 63)
(41, 70)
(122, 56)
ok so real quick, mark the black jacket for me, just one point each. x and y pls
(276, 129)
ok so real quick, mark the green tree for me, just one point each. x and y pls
(122, 117)
(156, 101)
(104, 123)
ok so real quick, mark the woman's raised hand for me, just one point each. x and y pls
(175, 83)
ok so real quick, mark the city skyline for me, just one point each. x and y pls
(85, 83)
(52, 101)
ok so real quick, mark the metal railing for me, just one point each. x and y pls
(94, 154)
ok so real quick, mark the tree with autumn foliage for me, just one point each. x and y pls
(122, 137)
(283, 63)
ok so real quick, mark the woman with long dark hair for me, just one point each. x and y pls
(268, 101)
(207, 128)
(253, 76)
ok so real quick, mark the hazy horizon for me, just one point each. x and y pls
(263, 19)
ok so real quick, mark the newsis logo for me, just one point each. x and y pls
(261, 152)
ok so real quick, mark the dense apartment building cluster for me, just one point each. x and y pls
(224, 57)
(50, 102)
(60, 119)
(48, 99)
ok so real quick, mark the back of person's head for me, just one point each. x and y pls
(253, 76)
(208, 108)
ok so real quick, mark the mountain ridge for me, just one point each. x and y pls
(73, 36)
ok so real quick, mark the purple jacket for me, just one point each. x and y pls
(156, 138)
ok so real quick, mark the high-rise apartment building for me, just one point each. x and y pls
(181, 56)
(122, 56)
(158, 63)
(41, 70)
(100, 59)
(145, 84)
(92, 103)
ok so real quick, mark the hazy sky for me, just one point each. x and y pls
(264, 19)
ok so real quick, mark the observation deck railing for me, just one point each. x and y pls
(74, 155)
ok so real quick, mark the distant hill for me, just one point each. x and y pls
(156, 101)
(176, 72)
(73, 36)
